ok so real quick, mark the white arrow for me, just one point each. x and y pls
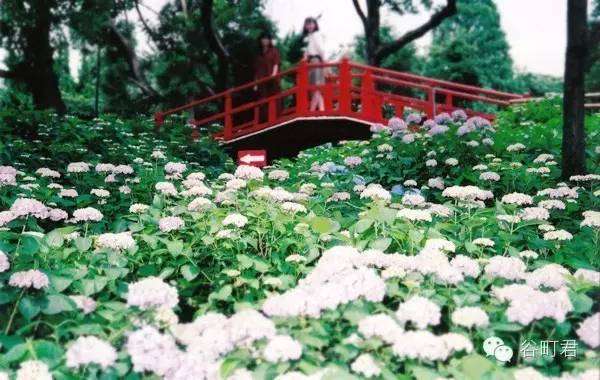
(250, 158)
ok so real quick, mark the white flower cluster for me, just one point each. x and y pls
(558, 235)
(414, 215)
(589, 331)
(279, 175)
(235, 219)
(293, 208)
(90, 350)
(366, 366)
(32, 278)
(199, 204)
(207, 340)
(47, 173)
(78, 167)
(170, 223)
(375, 191)
(175, 167)
(420, 311)
(509, 268)
(28, 207)
(138, 208)
(121, 241)
(338, 278)
(248, 172)
(519, 199)
(467, 193)
(550, 276)
(591, 219)
(4, 263)
(470, 316)
(87, 214)
(152, 292)
(526, 304)
(166, 188)
(282, 348)
(33, 370)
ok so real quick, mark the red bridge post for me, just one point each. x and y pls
(366, 95)
(345, 86)
(302, 88)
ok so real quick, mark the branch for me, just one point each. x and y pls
(6, 74)
(132, 60)
(214, 41)
(215, 44)
(436, 19)
(153, 35)
(360, 12)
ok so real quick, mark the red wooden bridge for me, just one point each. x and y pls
(355, 96)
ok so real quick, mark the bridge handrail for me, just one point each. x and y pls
(439, 82)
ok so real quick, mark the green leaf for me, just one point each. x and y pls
(47, 351)
(29, 245)
(57, 303)
(245, 261)
(222, 294)
(363, 225)
(189, 272)
(92, 286)
(475, 366)
(261, 265)
(16, 353)
(29, 307)
(59, 283)
(54, 239)
(83, 243)
(581, 302)
(324, 225)
(228, 366)
(175, 247)
(381, 244)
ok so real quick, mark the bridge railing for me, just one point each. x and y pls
(350, 90)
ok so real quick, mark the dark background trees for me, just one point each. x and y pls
(198, 47)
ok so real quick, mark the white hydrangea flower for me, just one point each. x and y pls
(90, 350)
(282, 348)
(151, 292)
(470, 316)
(420, 311)
(366, 366)
(589, 331)
(33, 370)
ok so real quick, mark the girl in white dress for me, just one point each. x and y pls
(314, 53)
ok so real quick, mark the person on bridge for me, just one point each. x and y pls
(314, 53)
(266, 64)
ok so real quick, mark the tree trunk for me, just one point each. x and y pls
(372, 32)
(40, 78)
(573, 142)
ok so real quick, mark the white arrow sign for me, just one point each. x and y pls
(250, 158)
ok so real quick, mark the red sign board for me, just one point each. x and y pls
(256, 158)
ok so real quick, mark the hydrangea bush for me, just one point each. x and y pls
(395, 257)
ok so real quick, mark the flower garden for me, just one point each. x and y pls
(129, 255)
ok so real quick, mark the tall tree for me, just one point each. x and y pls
(579, 37)
(471, 47)
(25, 32)
(377, 50)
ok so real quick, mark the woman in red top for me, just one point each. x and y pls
(266, 64)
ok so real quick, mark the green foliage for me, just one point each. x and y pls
(224, 269)
(471, 47)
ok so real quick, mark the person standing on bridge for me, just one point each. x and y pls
(266, 64)
(314, 53)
